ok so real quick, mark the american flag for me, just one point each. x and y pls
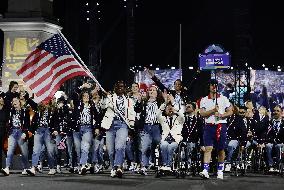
(48, 67)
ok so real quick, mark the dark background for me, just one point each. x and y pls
(252, 31)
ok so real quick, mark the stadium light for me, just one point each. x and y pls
(98, 4)
(232, 68)
(250, 68)
(279, 70)
(151, 65)
(263, 65)
(88, 18)
(190, 68)
(278, 67)
(157, 68)
(88, 11)
(173, 68)
(87, 4)
(266, 68)
(246, 64)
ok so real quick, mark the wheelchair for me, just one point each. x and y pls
(186, 162)
(180, 162)
(281, 162)
(239, 163)
(256, 159)
(178, 168)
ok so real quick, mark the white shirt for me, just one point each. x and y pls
(208, 103)
(151, 112)
(86, 116)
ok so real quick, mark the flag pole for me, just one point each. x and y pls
(93, 77)
(82, 62)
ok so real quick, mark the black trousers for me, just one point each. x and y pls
(2, 131)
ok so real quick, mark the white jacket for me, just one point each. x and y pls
(109, 104)
(178, 121)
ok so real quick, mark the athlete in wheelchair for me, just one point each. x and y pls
(187, 158)
(236, 140)
(275, 140)
(256, 140)
(171, 121)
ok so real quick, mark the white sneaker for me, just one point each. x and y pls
(5, 171)
(204, 174)
(132, 166)
(39, 168)
(96, 168)
(119, 173)
(112, 173)
(88, 166)
(238, 166)
(228, 168)
(168, 168)
(76, 170)
(220, 175)
(83, 170)
(31, 171)
(143, 171)
(271, 169)
(58, 169)
(163, 168)
(24, 172)
(51, 172)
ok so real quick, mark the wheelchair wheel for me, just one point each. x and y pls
(157, 174)
(92, 170)
(177, 174)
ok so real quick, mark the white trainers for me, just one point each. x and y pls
(112, 173)
(31, 171)
(24, 172)
(51, 172)
(143, 171)
(83, 170)
(132, 166)
(96, 168)
(39, 168)
(271, 169)
(5, 171)
(220, 175)
(228, 168)
(204, 174)
(58, 169)
(119, 173)
(88, 166)
(163, 168)
(168, 168)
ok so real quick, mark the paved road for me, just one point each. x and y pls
(135, 181)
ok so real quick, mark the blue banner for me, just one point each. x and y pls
(214, 61)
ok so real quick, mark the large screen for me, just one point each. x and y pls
(267, 87)
(166, 76)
